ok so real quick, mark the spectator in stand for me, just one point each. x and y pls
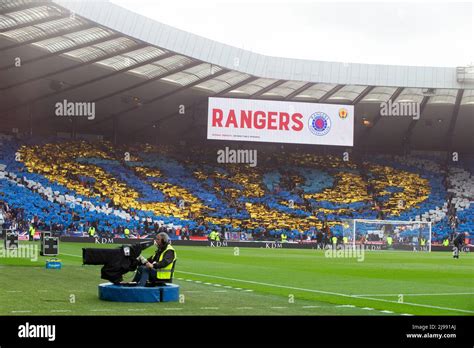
(186, 234)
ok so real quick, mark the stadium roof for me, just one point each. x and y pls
(143, 74)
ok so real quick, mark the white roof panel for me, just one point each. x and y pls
(161, 67)
(223, 81)
(193, 74)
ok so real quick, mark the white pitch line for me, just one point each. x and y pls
(208, 284)
(100, 310)
(277, 307)
(386, 312)
(217, 285)
(193, 291)
(243, 307)
(418, 305)
(213, 308)
(172, 309)
(266, 284)
(219, 291)
(326, 292)
(135, 309)
(439, 294)
(70, 255)
(20, 311)
(60, 310)
(189, 280)
(405, 314)
(198, 281)
(368, 308)
(237, 288)
(346, 306)
(228, 287)
(248, 290)
(14, 291)
(311, 306)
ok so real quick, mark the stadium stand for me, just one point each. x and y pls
(69, 186)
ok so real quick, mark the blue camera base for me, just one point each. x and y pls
(117, 293)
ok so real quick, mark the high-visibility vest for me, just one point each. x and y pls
(212, 236)
(389, 240)
(283, 237)
(166, 273)
(217, 237)
(334, 240)
(344, 240)
(446, 242)
(32, 231)
(126, 231)
(92, 231)
(422, 242)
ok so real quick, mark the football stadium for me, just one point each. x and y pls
(146, 170)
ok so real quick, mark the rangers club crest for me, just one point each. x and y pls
(319, 123)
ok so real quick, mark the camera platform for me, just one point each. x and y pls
(118, 293)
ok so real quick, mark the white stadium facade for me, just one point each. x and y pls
(150, 80)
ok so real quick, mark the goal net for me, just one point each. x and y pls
(388, 234)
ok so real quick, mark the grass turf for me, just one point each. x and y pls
(215, 281)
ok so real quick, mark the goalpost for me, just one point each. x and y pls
(389, 234)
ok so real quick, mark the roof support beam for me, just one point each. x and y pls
(362, 95)
(365, 133)
(330, 93)
(299, 90)
(454, 118)
(266, 89)
(409, 131)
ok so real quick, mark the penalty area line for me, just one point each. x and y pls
(326, 292)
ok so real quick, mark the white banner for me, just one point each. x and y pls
(280, 122)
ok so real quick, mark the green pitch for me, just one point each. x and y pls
(250, 281)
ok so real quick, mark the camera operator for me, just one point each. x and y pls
(157, 269)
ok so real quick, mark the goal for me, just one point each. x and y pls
(389, 234)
